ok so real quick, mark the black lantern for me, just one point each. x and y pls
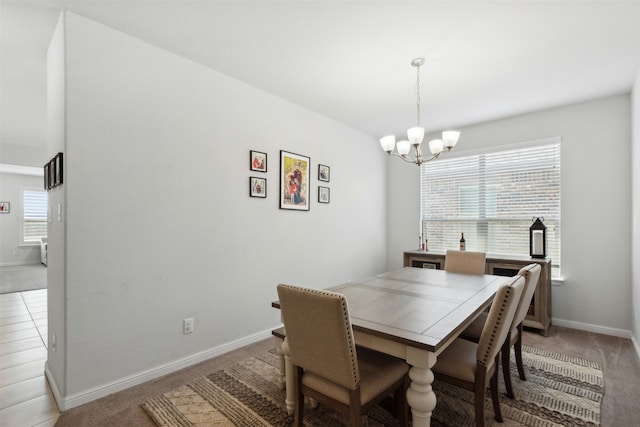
(538, 239)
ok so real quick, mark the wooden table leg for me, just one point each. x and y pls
(288, 365)
(282, 378)
(420, 396)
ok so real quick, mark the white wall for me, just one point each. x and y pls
(21, 154)
(596, 206)
(11, 251)
(635, 253)
(159, 223)
(56, 231)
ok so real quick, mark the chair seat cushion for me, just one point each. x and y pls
(458, 360)
(378, 371)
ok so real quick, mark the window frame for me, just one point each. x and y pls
(23, 190)
(483, 206)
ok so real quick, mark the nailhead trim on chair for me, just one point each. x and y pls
(485, 357)
(347, 322)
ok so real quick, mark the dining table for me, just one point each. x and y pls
(410, 313)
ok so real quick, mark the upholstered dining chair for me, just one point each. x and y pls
(472, 365)
(531, 274)
(464, 262)
(327, 365)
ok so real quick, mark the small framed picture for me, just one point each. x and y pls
(52, 173)
(323, 173)
(47, 182)
(257, 187)
(323, 194)
(258, 161)
(5, 207)
(58, 162)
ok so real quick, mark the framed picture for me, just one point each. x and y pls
(323, 173)
(257, 187)
(5, 207)
(52, 173)
(58, 162)
(47, 182)
(294, 181)
(258, 161)
(323, 194)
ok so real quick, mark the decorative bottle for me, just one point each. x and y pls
(462, 243)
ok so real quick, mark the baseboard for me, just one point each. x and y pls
(53, 385)
(77, 399)
(15, 263)
(592, 328)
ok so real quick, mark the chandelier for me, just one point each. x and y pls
(415, 135)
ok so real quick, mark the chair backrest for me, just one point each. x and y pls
(531, 274)
(499, 319)
(319, 333)
(465, 262)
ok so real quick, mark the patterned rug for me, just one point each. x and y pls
(559, 391)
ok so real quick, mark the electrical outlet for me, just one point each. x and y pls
(187, 325)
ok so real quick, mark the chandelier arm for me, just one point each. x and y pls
(403, 157)
(416, 161)
(432, 157)
(428, 159)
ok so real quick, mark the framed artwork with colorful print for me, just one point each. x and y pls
(294, 181)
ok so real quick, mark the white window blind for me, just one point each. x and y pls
(34, 216)
(493, 198)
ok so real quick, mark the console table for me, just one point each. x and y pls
(539, 315)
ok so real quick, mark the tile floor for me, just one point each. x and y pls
(25, 397)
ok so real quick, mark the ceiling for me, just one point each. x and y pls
(350, 60)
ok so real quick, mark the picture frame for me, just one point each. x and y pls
(258, 161)
(5, 207)
(59, 176)
(47, 182)
(324, 194)
(324, 173)
(294, 181)
(52, 173)
(258, 187)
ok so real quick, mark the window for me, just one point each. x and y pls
(492, 197)
(34, 216)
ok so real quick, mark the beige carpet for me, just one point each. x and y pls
(559, 391)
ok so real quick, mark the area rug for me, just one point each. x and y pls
(559, 391)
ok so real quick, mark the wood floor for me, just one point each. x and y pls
(25, 397)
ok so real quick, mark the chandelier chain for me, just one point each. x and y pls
(418, 95)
